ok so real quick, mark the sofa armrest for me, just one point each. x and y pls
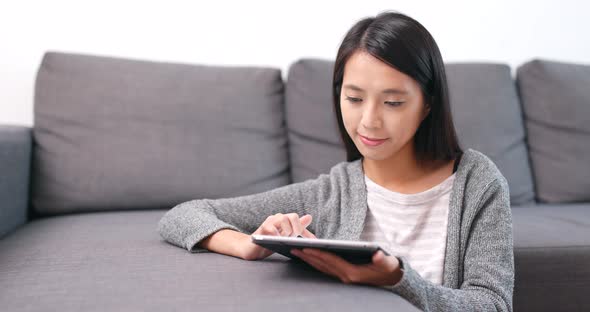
(15, 166)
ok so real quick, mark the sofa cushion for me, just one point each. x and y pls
(484, 103)
(488, 118)
(116, 261)
(552, 253)
(556, 103)
(112, 133)
(314, 141)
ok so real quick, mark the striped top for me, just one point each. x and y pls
(411, 225)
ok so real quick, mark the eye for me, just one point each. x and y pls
(394, 104)
(352, 99)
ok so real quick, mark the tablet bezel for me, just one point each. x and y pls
(357, 252)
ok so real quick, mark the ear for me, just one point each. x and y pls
(426, 111)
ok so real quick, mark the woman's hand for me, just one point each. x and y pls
(277, 225)
(383, 270)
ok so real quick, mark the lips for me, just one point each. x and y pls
(372, 139)
(371, 142)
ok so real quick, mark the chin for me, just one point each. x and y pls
(374, 156)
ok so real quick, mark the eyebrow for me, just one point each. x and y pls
(386, 91)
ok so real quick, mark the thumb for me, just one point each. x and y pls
(382, 261)
(305, 220)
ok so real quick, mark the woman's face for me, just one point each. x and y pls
(379, 102)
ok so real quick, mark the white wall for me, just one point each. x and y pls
(269, 33)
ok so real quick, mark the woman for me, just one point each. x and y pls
(443, 214)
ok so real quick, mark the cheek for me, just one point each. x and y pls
(349, 119)
(417, 118)
(402, 127)
(410, 123)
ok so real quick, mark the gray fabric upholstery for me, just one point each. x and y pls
(552, 257)
(15, 163)
(124, 134)
(483, 100)
(556, 103)
(314, 141)
(116, 261)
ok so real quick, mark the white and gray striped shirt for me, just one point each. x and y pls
(411, 225)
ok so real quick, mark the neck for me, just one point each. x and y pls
(402, 167)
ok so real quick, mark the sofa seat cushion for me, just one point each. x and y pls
(552, 257)
(116, 261)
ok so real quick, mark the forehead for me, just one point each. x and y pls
(370, 73)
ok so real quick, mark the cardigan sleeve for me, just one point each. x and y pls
(188, 223)
(488, 274)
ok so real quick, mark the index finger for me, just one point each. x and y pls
(295, 223)
(308, 234)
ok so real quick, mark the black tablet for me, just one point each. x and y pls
(357, 252)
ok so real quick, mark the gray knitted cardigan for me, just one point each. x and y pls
(479, 261)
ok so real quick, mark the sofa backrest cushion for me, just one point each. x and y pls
(112, 133)
(485, 108)
(556, 104)
(314, 141)
(488, 118)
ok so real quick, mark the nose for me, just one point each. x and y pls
(372, 118)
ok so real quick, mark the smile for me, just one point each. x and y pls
(372, 142)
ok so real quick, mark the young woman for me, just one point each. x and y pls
(443, 213)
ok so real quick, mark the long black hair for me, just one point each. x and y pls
(403, 43)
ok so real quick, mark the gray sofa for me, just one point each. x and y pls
(117, 142)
